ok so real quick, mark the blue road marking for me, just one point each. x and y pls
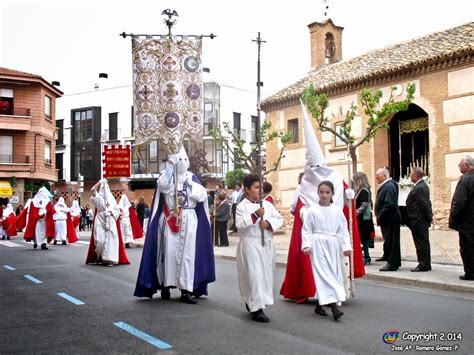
(143, 336)
(34, 279)
(8, 267)
(70, 298)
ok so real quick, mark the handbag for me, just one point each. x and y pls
(368, 211)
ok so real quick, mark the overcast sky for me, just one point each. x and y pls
(71, 41)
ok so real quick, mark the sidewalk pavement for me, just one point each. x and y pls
(445, 258)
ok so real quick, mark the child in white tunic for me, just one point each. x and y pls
(60, 220)
(256, 262)
(324, 235)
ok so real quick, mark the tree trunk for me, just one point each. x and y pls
(352, 153)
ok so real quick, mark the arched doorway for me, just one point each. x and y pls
(408, 141)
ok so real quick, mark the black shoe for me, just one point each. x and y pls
(320, 310)
(186, 298)
(8, 238)
(420, 268)
(381, 259)
(259, 316)
(336, 312)
(3, 237)
(165, 294)
(55, 242)
(387, 268)
(44, 247)
(466, 278)
(64, 242)
(367, 261)
(35, 246)
(247, 307)
(127, 245)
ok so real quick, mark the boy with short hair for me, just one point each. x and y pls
(256, 262)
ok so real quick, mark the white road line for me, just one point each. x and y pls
(83, 242)
(9, 244)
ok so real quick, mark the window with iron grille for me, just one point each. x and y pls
(293, 128)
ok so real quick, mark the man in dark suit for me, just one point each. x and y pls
(419, 218)
(461, 217)
(388, 218)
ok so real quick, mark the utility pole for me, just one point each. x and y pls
(259, 42)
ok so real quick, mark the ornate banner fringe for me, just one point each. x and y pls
(414, 125)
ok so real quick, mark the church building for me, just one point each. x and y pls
(434, 133)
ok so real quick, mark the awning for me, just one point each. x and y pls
(5, 189)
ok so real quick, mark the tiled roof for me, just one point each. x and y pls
(433, 47)
(17, 73)
(23, 76)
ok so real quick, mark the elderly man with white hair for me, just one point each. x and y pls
(388, 218)
(462, 215)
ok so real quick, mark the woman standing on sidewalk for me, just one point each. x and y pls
(364, 212)
(222, 219)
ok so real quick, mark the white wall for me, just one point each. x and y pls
(243, 102)
(110, 98)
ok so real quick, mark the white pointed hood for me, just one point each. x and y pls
(7, 211)
(41, 198)
(61, 206)
(107, 194)
(75, 208)
(124, 203)
(180, 160)
(316, 169)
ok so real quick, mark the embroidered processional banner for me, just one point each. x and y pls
(167, 91)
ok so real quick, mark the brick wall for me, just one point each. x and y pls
(32, 97)
(432, 91)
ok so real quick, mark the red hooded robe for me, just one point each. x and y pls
(92, 255)
(137, 230)
(33, 217)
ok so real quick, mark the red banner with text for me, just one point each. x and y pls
(116, 161)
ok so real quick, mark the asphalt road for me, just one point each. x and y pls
(34, 319)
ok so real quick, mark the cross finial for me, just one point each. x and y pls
(326, 8)
(169, 21)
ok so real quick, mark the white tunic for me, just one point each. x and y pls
(256, 263)
(325, 232)
(40, 228)
(126, 226)
(60, 225)
(60, 222)
(176, 259)
(105, 230)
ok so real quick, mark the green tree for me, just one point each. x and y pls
(234, 177)
(248, 159)
(378, 115)
(199, 164)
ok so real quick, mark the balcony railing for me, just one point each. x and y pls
(240, 133)
(17, 111)
(10, 159)
(253, 136)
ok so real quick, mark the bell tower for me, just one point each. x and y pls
(326, 43)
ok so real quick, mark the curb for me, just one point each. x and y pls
(420, 283)
(390, 279)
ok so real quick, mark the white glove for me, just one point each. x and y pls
(350, 194)
(198, 193)
(166, 176)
